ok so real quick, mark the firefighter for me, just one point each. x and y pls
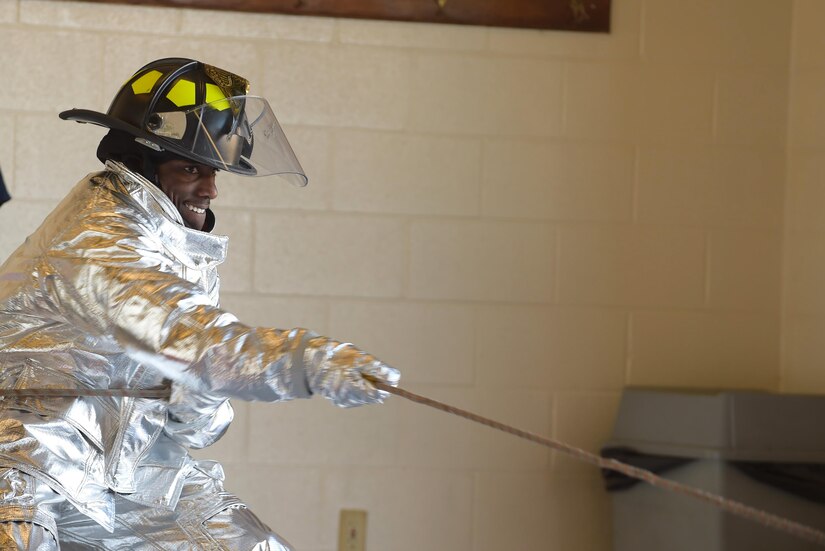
(118, 291)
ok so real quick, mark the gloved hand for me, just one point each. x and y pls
(336, 371)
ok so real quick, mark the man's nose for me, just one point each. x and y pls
(207, 187)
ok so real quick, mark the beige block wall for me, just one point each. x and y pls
(803, 346)
(523, 221)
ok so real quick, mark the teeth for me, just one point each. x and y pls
(194, 208)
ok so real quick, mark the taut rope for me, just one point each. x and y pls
(731, 506)
(734, 507)
(161, 393)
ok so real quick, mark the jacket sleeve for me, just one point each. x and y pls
(110, 273)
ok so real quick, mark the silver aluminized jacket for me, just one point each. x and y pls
(112, 291)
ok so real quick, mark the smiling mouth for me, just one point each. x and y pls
(193, 208)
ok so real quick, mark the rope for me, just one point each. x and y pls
(731, 506)
(77, 392)
(734, 507)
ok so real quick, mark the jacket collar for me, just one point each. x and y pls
(194, 249)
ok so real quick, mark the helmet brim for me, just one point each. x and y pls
(107, 121)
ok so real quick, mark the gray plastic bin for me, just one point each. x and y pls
(714, 430)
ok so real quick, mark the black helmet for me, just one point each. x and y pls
(185, 108)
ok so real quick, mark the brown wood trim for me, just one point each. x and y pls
(572, 15)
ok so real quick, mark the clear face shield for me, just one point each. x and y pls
(238, 134)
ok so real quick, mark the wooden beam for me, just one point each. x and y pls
(571, 15)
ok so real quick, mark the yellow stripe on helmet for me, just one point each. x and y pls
(182, 93)
(144, 84)
(216, 98)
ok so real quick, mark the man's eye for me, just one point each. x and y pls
(191, 169)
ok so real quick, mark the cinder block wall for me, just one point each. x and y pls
(804, 255)
(524, 222)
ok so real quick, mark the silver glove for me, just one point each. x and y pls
(336, 371)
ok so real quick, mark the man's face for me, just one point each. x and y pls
(191, 187)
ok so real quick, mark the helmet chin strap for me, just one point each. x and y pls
(209, 223)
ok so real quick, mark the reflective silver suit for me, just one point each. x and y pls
(112, 291)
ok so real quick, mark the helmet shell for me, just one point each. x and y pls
(183, 90)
